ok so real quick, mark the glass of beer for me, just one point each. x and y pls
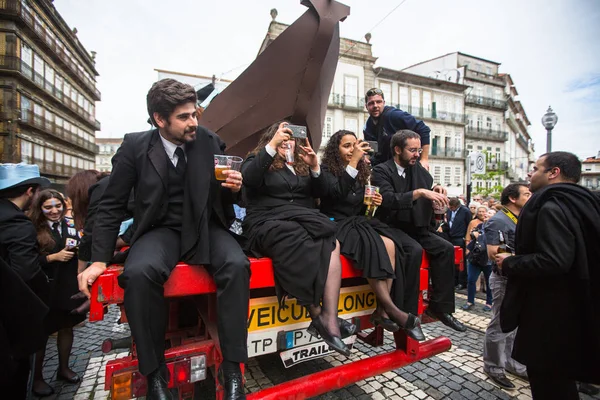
(289, 154)
(439, 211)
(370, 191)
(223, 163)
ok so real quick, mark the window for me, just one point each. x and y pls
(479, 148)
(415, 102)
(447, 174)
(403, 97)
(328, 131)
(38, 67)
(351, 91)
(26, 55)
(386, 88)
(80, 163)
(351, 124)
(479, 122)
(457, 175)
(427, 104)
(488, 123)
(67, 161)
(458, 142)
(38, 153)
(478, 67)
(436, 173)
(25, 108)
(49, 155)
(59, 157)
(26, 151)
(49, 78)
(488, 70)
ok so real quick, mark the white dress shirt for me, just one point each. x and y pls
(170, 149)
(401, 170)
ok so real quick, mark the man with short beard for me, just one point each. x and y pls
(553, 288)
(23, 284)
(408, 202)
(181, 213)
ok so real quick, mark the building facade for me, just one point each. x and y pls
(590, 172)
(47, 91)
(107, 147)
(496, 121)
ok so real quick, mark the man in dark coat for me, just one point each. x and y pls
(459, 217)
(408, 206)
(384, 121)
(181, 213)
(22, 282)
(553, 288)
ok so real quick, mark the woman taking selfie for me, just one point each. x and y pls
(280, 186)
(58, 240)
(368, 242)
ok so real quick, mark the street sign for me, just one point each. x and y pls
(477, 163)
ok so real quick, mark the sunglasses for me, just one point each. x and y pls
(374, 92)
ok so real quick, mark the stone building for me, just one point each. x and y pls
(590, 172)
(107, 147)
(47, 91)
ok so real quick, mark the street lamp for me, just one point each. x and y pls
(549, 120)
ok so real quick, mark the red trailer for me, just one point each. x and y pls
(194, 347)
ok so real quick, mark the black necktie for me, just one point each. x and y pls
(181, 163)
(55, 229)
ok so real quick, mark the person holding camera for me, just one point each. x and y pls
(477, 259)
(497, 345)
(281, 182)
(58, 240)
(368, 242)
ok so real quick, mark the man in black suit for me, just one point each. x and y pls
(408, 206)
(22, 281)
(459, 217)
(181, 213)
(553, 287)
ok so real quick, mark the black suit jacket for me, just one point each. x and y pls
(398, 208)
(141, 163)
(461, 221)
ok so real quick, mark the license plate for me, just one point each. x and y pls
(310, 351)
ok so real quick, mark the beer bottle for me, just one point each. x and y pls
(502, 248)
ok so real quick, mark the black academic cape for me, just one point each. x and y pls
(553, 288)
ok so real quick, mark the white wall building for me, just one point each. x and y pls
(590, 172)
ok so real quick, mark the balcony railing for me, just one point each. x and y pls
(523, 142)
(344, 101)
(16, 64)
(422, 113)
(480, 76)
(497, 165)
(486, 101)
(14, 7)
(447, 152)
(486, 134)
(29, 118)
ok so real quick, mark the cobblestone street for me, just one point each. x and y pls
(456, 374)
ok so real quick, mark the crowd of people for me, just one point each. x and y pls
(165, 200)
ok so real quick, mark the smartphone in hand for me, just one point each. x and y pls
(298, 131)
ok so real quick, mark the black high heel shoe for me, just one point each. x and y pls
(347, 329)
(413, 328)
(335, 342)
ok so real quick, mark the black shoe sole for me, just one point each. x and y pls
(495, 383)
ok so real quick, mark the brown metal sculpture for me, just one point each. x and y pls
(291, 79)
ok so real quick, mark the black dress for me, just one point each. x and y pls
(282, 223)
(63, 282)
(359, 236)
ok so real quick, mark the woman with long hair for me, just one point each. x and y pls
(476, 265)
(368, 242)
(58, 240)
(282, 223)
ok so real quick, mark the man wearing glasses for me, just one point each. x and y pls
(384, 121)
(408, 202)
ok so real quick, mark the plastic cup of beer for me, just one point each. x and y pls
(223, 163)
(289, 154)
(439, 210)
(370, 191)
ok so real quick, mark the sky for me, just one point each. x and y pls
(549, 47)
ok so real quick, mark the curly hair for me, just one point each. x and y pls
(333, 160)
(44, 236)
(299, 165)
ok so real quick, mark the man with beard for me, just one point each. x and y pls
(553, 288)
(408, 206)
(23, 284)
(181, 213)
(384, 121)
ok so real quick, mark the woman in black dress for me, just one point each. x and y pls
(57, 239)
(282, 223)
(368, 242)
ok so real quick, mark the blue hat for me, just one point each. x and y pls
(12, 175)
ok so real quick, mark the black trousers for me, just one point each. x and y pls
(460, 277)
(148, 266)
(441, 270)
(550, 385)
